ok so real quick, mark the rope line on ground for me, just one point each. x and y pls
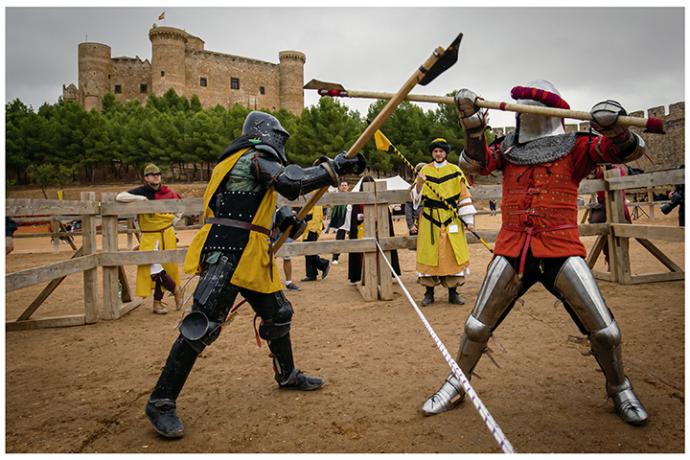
(489, 421)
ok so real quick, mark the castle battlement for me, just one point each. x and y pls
(180, 62)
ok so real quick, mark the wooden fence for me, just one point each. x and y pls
(376, 279)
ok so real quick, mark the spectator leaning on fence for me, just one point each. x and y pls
(157, 233)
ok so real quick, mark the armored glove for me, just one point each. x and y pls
(605, 117)
(465, 103)
(471, 118)
(286, 218)
(344, 165)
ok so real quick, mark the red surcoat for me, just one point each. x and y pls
(540, 201)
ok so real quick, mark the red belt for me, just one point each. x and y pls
(533, 231)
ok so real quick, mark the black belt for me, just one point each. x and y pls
(227, 222)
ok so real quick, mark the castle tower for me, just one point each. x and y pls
(168, 60)
(292, 80)
(94, 73)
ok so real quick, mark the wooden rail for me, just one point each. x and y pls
(116, 298)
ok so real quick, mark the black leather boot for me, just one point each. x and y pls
(287, 376)
(454, 298)
(428, 297)
(160, 408)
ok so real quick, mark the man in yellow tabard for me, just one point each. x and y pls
(157, 233)
(442, 253)
(315, 263)
(232, 255)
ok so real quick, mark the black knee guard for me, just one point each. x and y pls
(277, 325)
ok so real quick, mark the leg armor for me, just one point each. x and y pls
(500, 289)
(577, 287)
(276, 317)
(197, 330)
(213, 299)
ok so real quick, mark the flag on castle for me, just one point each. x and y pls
(162, 16)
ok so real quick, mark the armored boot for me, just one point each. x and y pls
(159, 308)
(454, 298)
(428, 296)
(160, 408)
(472, 345)
(607, 351)
(287, 376)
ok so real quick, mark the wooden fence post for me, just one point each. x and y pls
(88, 229)
(369, 275)
(619, 255)
(383, 231)
(111, 299)
(650, 199)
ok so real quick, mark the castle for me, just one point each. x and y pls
(179, 61)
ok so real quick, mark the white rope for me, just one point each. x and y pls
(491, 424)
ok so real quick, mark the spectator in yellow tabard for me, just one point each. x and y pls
(442, 253)
(315, 263)
(157, 233)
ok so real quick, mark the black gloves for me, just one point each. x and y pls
(354, 165)
(286, 218)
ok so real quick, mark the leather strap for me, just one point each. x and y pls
(227, 222)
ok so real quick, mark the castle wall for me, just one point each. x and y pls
(130, 74)
(219, 69)
(179, 62)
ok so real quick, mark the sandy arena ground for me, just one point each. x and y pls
(83, 389)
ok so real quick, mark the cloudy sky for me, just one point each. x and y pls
(633, 55)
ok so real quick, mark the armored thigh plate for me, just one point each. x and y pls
(500, 288)
(576, 284)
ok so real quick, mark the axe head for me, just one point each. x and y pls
(318, 84)
(449, 57)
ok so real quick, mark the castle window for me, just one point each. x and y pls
(262, 90)
(118, 89)
(235, 83)
(203, 81)
(143, 88)
(162, 73)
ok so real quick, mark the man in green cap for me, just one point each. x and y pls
(157, 233)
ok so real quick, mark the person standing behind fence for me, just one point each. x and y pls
(315, 263)
(337, 222)
(412, 211)
(157, 233)
(677, 198)
(442, 253)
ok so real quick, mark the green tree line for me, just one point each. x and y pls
(65, 141)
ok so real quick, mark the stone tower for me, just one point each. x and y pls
(292, 80)
(168, 46)
(94, 74)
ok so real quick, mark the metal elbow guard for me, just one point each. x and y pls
(469, 165)
(633, 148)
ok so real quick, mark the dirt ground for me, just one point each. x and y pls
(83, 389)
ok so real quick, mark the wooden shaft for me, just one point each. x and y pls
(385, 113)
(505, 106)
